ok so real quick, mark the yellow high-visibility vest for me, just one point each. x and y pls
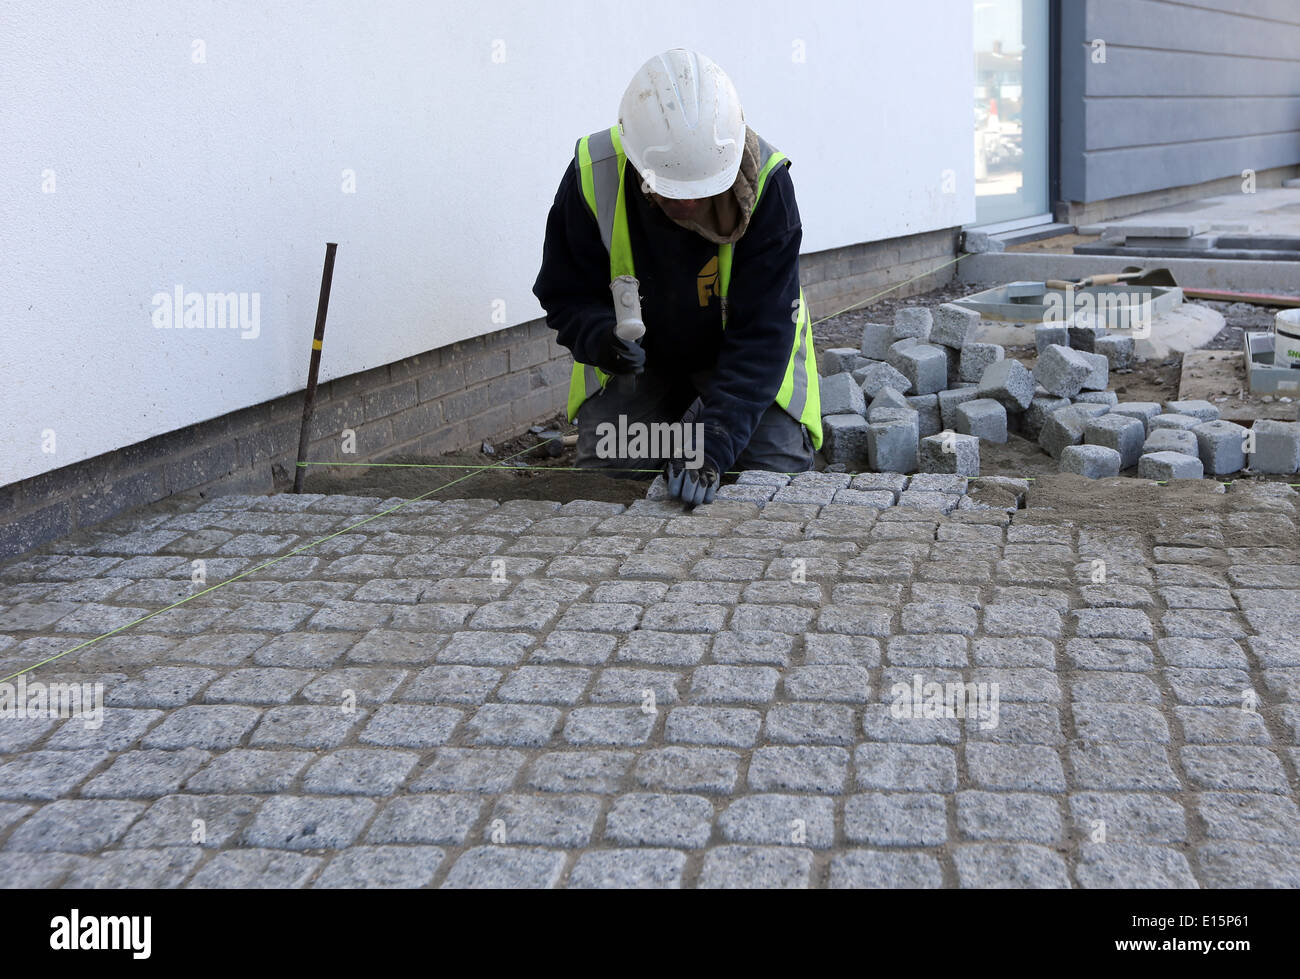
(601, 163)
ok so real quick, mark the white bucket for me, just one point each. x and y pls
(1286, 339)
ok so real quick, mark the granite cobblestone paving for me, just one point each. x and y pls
(467, 693)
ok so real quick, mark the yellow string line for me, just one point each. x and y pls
(537, 469)
(448, 465)
(245, 574)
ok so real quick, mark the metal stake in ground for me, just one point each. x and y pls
(313, 371)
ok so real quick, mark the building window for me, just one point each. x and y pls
(1011, 110)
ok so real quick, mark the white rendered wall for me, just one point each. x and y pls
(128, 167)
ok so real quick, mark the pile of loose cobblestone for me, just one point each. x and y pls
(920, 395)
(529, 694)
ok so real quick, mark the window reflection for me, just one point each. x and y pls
(1011, 86)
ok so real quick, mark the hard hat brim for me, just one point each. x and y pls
(686, 190)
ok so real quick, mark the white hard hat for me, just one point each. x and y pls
(682, 126)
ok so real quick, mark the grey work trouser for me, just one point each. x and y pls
(779, 443)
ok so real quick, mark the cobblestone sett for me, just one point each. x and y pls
(1003, 865)
(579, 771)
(1234, 767)
(608, 726)
(145, 774)
(708, 770)
(538, 694)
(1128, 817)
(733, 684)
(1130, 865)
(515, 725)
(382, 867)
(486, 770)
(895, 767)
(640, 869)
(256, 867)
(842, 684)
(299, 823)
(1232, 864)
(876, 869)
(193, 726)
(890, 819)
(555, 820)
(1139, 767)
(799, 768)
(651, 819)
(751, 867)
(780, 820)
(728, 726)
(762, 647)
(307, 727)
(1014, 766)
(250, 770)
(1007, 816)
(811, 724)
(499, 867)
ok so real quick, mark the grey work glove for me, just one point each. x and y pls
(619, 356)
(692, 486)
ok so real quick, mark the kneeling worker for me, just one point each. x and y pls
(675, 284)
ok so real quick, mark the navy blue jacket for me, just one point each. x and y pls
(681, 309)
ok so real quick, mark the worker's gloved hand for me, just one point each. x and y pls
(692, 486)
(619, 356)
